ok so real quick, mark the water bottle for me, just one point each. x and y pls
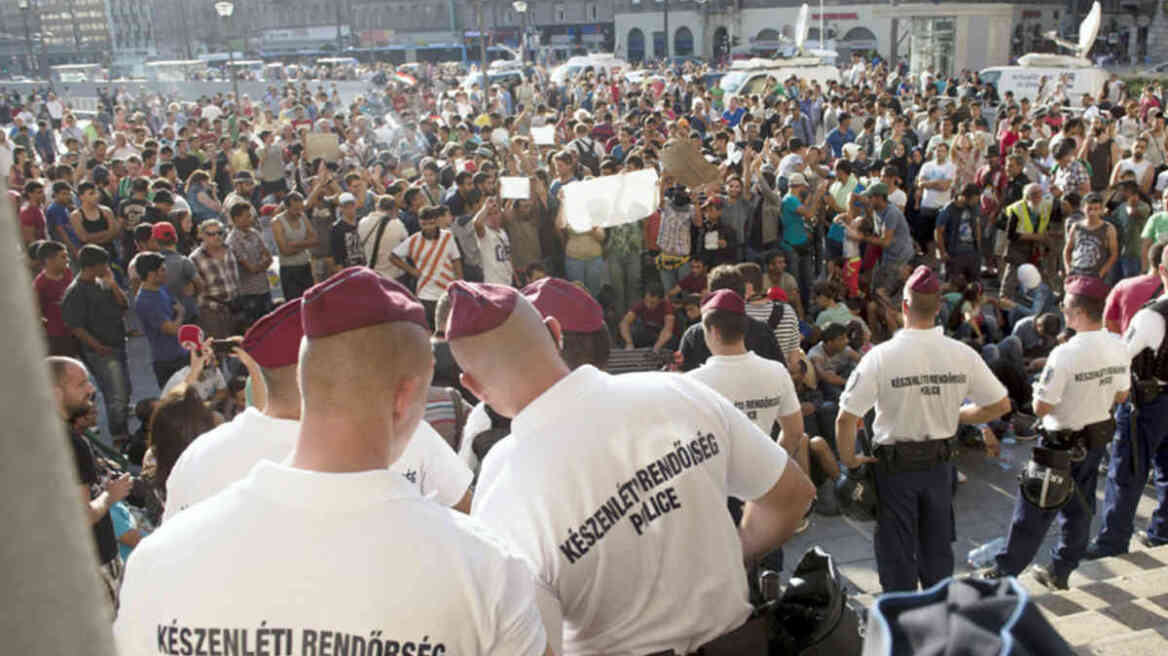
(1005, 461)
(983, 556)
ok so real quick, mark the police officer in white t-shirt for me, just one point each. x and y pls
(917, 381)
(1080, 383)
(330, 551)
(1141, 441)
(584, 339)
(614, 488)
(760, 388)
(227, 453)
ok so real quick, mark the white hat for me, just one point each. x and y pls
(797, 179)
(1028, 276)
(346, 198)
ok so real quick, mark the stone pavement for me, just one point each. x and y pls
(1117, 605)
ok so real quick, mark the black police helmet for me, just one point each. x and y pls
(1046, 481)
(856, 494)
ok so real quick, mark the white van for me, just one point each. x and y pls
(1074, 72)
(1025, 80)
(606, 63)
(753, 75)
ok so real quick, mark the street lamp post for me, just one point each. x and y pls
(482, 52)
(521, 7)
(225, 9)
(24, 9)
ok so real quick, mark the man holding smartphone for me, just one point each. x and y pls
(74, 393)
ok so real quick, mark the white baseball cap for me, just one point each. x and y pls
(1028, 276)
(797, 179)
(346, 198)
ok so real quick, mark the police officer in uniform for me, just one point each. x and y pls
(584, 339)
(246, 570)
(1082, 380)
(613, 488)
(1141, 442)
(917, 381)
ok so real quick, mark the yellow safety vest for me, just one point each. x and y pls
(1021, 210)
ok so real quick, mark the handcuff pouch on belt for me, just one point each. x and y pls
(1045, 481)
(667, 262)
(1078, 443)
(916, 456)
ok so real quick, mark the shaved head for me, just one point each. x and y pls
(371, 380)
(922, 307)
(508, 366)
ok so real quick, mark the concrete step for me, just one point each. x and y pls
(1115, 606)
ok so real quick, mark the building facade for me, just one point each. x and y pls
(946, 36)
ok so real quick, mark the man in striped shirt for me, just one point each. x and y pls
(431, 256)
(778, 316)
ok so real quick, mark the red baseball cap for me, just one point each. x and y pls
(274, 340)
(163, 231)
(478, 307)
(354, 298)
(570, 304)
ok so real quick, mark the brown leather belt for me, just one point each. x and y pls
(750, 639)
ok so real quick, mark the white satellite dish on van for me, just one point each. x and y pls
(1088, 32)
(801, 26)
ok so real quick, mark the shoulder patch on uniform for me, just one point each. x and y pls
(852, 380)
(1047, 375)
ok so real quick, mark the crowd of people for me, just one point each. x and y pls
(218, 232)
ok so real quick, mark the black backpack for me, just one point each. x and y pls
(587, 156)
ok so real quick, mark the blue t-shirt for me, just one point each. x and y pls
(155, 308)
(57, 216)
(733, 117)
(794, 233)
(120, 515)
(837, 139)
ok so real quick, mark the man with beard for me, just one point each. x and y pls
(1027, 235)
(74, 392)
(435, 260)
(1138, 164)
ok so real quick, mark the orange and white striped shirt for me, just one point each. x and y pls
(434, 258)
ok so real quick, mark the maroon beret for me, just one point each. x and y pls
(478, 307)
(923, 281)
(274, 340)
(1088, 286)
(726, 300)
(571, 305)
(355, 298)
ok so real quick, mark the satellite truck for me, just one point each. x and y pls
(1047, 79)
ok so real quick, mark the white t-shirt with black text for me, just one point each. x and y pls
(290, 561)
(613, 489)
(759, 387)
